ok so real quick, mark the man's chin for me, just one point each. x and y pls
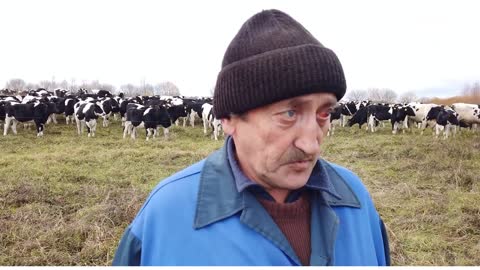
(298, 178)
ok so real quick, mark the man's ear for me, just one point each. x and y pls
(229, 124)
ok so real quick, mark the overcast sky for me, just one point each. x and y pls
(430, 47)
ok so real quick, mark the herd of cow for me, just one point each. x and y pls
(444, 119)
(149, 112)
(154, 112)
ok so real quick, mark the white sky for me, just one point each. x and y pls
(430, 47)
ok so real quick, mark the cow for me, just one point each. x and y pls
(109, 106)
(399, 114)
(150, 118)
(445, 120)
(360, 118)
(377, 113)
(215, 123)
(420, 117)
(52, 109)
(177, 111)
(194, 108)
(17, 112)
(124, 106)
(468, 114)
(206, 109)
(86, 114)
(60, 92)
(346, 110)
(2, 111)
(335, 118)
(69, 109)
(102, 93)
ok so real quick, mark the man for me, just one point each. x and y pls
(266, 197)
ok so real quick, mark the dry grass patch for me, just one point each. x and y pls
(66, 200)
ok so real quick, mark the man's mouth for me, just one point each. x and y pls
(300, 164)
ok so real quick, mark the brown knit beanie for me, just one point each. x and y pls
(273, 57)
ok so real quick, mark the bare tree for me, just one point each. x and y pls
(466, 89)
(374, 94)
(108, 87)
(48, 85)
(471, 89)
(357, 95)
(475, 90)
(130, 90)
(32, 86)
(407, 97)
(166, 89)
(73, 86)
(424, 100)
(16, 85)
(388, 95)
(63, 85)
(381, 95)
(148, 89)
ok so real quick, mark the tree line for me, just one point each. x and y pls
(19, 86)
(470, 94)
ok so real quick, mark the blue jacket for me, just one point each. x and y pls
(197, 217)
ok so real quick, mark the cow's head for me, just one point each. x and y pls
(452, 117)
(164, 117)
(98, 110)
(408, 111)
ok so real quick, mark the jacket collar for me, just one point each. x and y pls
(218, 197)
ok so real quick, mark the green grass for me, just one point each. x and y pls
(66, 200)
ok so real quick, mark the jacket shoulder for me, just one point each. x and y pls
(177, 187)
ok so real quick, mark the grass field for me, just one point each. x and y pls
(66, 200)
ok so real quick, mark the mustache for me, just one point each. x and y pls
(295, 155)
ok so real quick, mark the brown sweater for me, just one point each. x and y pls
(293, 219)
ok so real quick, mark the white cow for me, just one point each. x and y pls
(467, 113)
(206, 108)
(217, 126)
(421, 112)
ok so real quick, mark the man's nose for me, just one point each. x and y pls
(309, 136)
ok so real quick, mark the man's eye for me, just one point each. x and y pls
(290, 113)
(324, 114)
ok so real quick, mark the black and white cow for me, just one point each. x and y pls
(206, 109)
(468, 114)
(52, 110)
(214, 122)
(2, 111)
(420, 117)
(194, 109)
(178, 111)
(150, 118)
(399, 113)
(445, 120)
(60, 92)
(377, 113)
(17, 112)
(109, 106)
(69, 109)
(86, 114)
(360, 118)
(124, 106)
(335, 118)
(102, 93)
(347, 110)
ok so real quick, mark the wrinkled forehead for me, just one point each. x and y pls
(317, 100)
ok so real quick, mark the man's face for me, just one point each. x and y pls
(278, 145)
